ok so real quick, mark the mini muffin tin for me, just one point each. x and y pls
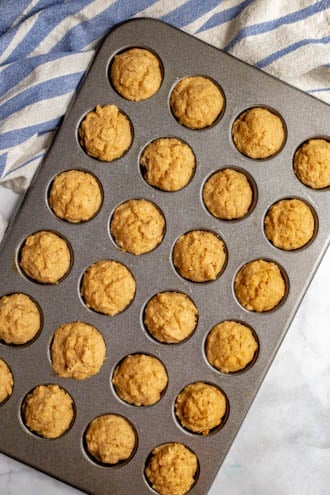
(244, 87)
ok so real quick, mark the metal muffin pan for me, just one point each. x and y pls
(243, 86)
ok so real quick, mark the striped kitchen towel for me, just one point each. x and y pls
(47, 45)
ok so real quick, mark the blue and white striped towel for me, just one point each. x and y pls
(47, 45)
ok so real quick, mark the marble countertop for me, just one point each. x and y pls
(283, 445)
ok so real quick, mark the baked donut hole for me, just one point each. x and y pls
(6, 382)
(140, 379)
(107, 287)
(137, 226)
(77, 350)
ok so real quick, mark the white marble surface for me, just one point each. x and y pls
(283, 446)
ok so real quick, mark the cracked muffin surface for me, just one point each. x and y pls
(137, 226)
(20, 319)
(48, 411)
(77, 351)
(168, 164)
(258, 133)
(136, 74)
(105, 133)
(199, 256)
(172, 469)
(200, 407)
(259, 285)
(312, 163)
(170, 317)
(289, 224)
(6, 381)
(110, 439)
(230, 346)
(45, 257)
(196, 102)
(227, 194)
(140, 379)
(75, 196)
(108, 287)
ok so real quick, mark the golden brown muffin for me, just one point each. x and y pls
(45, 257)
(200, 407)
(136, 74)
(75, 196)
(230, 346)
(105, 133)
(20, 319)
(170, 317)
(289, 224)
(172, 469)
(227, 194)
(140, 379)
(77, 351)
(6, 381)
(258, 133)
(199, 256)
(312, 163)
(110, 439)
(48, 411)
(137, 226)
(108, 287)
(168, 164)
(196, 102)
(259, 285)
